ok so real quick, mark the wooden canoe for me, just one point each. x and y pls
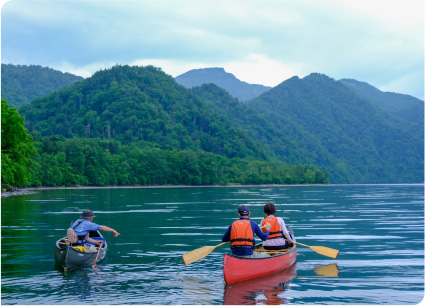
(236, 269)
(69, 257)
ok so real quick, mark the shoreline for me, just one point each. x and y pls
(17, 192)
(33, 190)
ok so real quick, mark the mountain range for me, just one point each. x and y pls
(20, 84)
(350, 129)
(344, 133)
(400, 105)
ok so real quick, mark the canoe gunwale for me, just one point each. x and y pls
(264, 258)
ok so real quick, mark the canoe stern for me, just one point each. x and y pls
(237, 269)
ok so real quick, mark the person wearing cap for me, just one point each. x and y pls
(279, 237)
(241, 234)
(77, 233)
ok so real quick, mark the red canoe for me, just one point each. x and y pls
(265, 290)
(236, 269)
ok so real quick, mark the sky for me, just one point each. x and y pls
(380, 42)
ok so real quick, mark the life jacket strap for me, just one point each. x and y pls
(81, 239)
(78, 223)
(242, 246)
(242, 239)
(274, 233)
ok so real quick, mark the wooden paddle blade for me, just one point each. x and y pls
(198, 254)
(325, 251)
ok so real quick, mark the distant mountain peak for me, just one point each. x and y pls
(211, 69)
(218, 76)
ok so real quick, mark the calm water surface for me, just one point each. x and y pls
(379, 230)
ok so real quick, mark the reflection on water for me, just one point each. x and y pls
(330, 270)
(267, 290)
(378, 229)
(79, 283)
(270, 289)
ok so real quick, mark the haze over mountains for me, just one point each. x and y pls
(350, 129)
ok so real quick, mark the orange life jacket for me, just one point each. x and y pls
(275, 231)
(241, 235)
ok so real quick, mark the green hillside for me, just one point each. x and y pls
(142, 112)
(402, 106)
(137, 126)
(280, 138)
(360, 142)
(143, 105)
(20, 84)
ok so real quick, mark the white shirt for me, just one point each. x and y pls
(278, 241)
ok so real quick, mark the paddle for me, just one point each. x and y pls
(95, 260)
(200, 253)
(321, 250)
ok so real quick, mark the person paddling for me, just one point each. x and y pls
(78, 232)
(241, 235)
(278, 232)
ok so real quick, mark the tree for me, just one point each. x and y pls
(16, 148)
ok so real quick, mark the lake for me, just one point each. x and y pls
(378, 229)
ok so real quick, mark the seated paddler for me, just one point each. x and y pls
(279, 237)
(78, 232)
(241, 235)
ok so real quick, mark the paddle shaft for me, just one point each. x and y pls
(299, 243)
(325, 251)
(219, 245)
(200, 253)
(100, 247)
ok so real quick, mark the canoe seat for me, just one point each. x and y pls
(271, 252)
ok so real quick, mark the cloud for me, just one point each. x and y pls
(379, 42)
(259, 69)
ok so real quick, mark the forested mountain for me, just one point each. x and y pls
(344, 134)
(403, 106)
(239, 89)
(311, 121)
(281, 139)
(20, 84)
(136, 125)
(136, 104)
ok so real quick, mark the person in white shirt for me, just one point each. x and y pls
(278, 232)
